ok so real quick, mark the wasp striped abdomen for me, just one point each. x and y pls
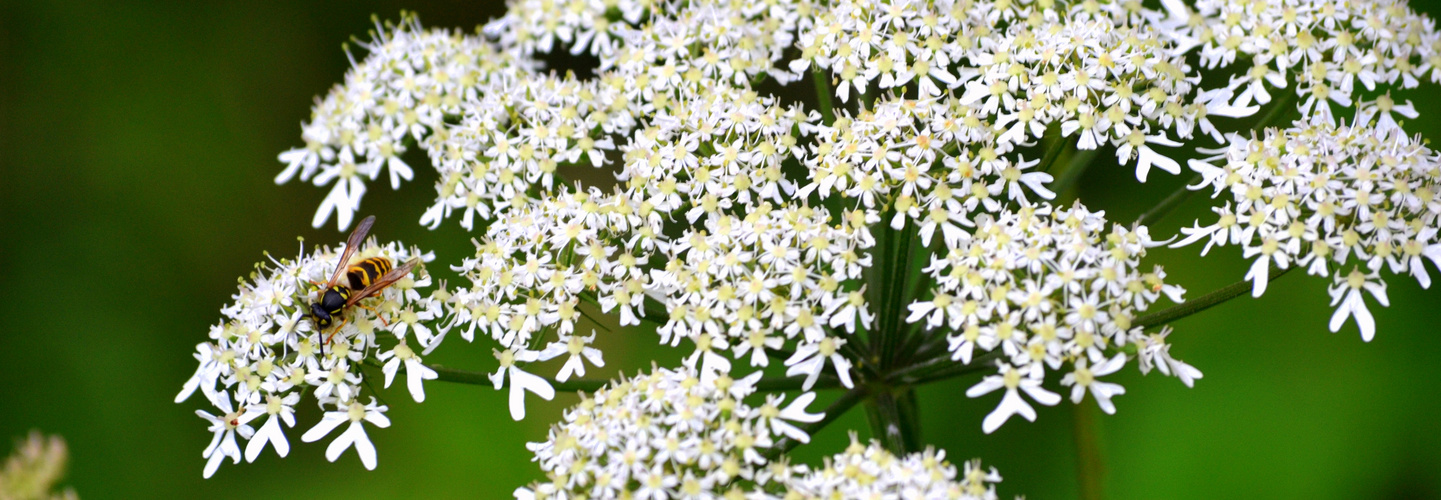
(363, 273)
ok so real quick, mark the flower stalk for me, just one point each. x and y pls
(1090, 462)
(1202, 303)
(893, 419)
(823, 95)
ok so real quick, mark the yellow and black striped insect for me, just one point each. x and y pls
(363, 279)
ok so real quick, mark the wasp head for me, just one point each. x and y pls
(322, 317)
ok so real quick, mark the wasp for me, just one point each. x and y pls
(362, 279)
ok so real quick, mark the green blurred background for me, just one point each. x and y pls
(138, 144)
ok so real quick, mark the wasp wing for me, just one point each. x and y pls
(356, 238)
(389, 279)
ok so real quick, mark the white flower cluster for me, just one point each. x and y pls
(267, 353)
(495, 128)
(1345, 201)
(659, 44)
(1049, 288)
(893, 159)
(774, 276)
(742, 284)
(673, 433)
(492, 127)
(406, 87)
(716, 152)
(1325, 47)
(991, 76)
(753, 225)
(685, 434)
(536, 264)
(870, 471)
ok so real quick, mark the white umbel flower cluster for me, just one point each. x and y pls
(1049, 289)
(870, 471)
(991, 76)
(896, 229)
(768, 280)
(267, 353)
(1344, 201)
(672, 433)
(1320, 50)
(685, 434)
(536, 264)
(987, 78)
(491, 125)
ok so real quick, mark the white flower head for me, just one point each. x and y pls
(267, 351)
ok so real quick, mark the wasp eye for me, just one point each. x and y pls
(322, 317)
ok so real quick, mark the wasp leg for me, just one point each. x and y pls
(375, 312)
(343, 321)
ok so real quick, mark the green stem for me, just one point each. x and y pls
(1058, 145)
(1076, 164)
(823, 94)
(1281, 107)
(780, 354)
(898, 295)
(924, 373)
(1169, 203)
(1202, 303)
(894, 420)
(878, 284)
(826, 381)
(833, 412)
(911, 347)
(481, 378)
(1090, 465)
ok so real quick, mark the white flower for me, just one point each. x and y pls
(577, 348)
(206, 374)
(1382, 109)
(279, 410)
(344, 198)
(224, 427)
(1155, 352)
(1134, 145)
(1328, 198)
(1346, 297)
(936, 311)
(520, 380)
(415, 371)
(354, 434)
(1260, 272)
(1084, 378)
(1011, 403)
(776, 417)
(870, 471)
(810, 359)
